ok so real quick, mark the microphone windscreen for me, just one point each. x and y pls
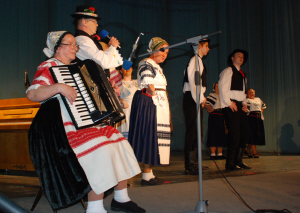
(103, 33)
(127, 64)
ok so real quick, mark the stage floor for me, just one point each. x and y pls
(17, 184)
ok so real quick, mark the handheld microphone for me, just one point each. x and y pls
(128, 63)
(104, 34)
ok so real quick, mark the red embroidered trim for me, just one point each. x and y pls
(80, 137)
(86, 152)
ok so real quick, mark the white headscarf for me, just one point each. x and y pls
(51, 42)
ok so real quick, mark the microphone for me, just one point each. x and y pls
(128, 63)
(104, 34)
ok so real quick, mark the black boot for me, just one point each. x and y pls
(240, 159)
(230, 160)
(191, 166)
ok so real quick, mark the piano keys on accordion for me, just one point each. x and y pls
(96, 102)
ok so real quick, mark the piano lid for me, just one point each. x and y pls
(18, 103)
(17, 114)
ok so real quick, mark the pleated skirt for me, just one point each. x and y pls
(61, 176)
(216, 134)
(143, 129)
(257, 136)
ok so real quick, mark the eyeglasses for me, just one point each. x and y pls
(93, 20)
(72, 45)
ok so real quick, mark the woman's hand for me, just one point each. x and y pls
(124, 103)
(116, 88)
(69, 92)
(150, 90)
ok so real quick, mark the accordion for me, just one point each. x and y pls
(96, 102)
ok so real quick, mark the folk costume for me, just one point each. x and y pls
(216, 133)
(256, 121)
(103, 153)
(150, 129)
(127, 92)
(190, 112)
(232, 87)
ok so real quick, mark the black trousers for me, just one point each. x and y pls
(238, 131)
(190, 115)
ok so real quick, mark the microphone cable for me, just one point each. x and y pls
(256, 211)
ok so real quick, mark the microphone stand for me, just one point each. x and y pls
(202, 204)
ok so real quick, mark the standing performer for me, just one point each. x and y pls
(189, 107)
(103, 153)
(150, 129)
(216, 134)
(129, 87)
(256, 122)
(86, 24)
(232, 91)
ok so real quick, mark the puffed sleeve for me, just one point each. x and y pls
(88, 50)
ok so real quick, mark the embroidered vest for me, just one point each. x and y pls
(237, 80)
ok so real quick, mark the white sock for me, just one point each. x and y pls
(152, 174)
(220, 154)
(147, 176)
(121, 196)
(96, 207)
(213, 154)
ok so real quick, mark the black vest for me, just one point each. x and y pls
(203, 76)
(96, 42)
(237, 80)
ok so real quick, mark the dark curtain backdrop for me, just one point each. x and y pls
(268, 29)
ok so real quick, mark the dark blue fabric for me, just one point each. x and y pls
(257, 136)
(216, 136)
(143, 129)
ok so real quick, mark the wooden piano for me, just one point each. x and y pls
(16, 116)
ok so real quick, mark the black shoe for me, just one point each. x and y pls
(232, 167)
(248, 154)
(244, 166)
(152, 181)
(129, 207)
(192, 171)
(213, 157)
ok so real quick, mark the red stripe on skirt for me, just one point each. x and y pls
(79, 137)
(88, 151)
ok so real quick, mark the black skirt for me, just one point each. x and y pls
(257, 136)
(216, 134)
(61, 176)
(143, 129)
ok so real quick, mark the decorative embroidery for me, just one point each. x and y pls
(164, 144)
(147, 75)
(164, 135)
(147, 66)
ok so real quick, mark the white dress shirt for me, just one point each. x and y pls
(106, 59)
(191, 86)
(226, 95)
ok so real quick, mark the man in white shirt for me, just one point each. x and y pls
(189, 107)
(232, 92)
(86, 24)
